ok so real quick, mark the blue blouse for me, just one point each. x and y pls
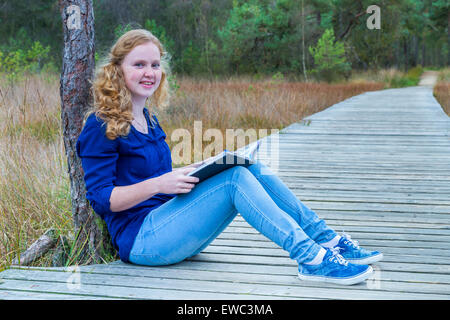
(121, 162)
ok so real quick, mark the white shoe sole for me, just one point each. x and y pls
(342, 281)
(368, 260)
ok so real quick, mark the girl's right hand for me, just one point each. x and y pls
(177, 181)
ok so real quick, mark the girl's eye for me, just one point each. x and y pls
(155, 65)
(139, 64)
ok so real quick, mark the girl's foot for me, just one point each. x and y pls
(335, 269)
(352, 252)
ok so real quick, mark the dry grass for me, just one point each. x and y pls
(34, 184)
(442, 90)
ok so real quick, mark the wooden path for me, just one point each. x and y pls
(376, 166)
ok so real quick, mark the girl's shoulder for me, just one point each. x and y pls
(94, 128)
(93, 121)
(92, 139)
(94, 125)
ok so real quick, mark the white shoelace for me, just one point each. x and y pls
(337, 257)
(347, 237)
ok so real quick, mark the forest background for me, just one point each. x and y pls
(229, 37)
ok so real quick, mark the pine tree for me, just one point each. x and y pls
(329, 58)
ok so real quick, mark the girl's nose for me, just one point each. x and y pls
(149, 72)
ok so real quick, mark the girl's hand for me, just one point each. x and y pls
(177, 181)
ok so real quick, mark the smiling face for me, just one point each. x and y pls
(142, 72)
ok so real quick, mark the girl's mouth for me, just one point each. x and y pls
(147, 84)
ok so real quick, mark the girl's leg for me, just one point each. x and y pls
(308, 220)
(189, 222)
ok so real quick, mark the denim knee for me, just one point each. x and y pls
(239, 172)
(259, 168)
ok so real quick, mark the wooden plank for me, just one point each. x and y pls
(315, 205)
(90, 291)
(436, 255)
(351, 230)
(383, 198)
(362, 234)
(421, 178)
(325, 138)
(369, 148)
(234, 272)
(280, 261)
(364, 186)
(33, 295)
(407, 256)
(250, 287)
(360, 221)
(372, 244)
(395, 190)
(429, 221)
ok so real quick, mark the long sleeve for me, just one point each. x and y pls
(99, 160)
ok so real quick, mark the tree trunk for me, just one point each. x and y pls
(448, 37)
(405, 54)
(424, 61)
(416, 51)
(77, 69)
(303, 43)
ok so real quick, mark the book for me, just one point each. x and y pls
(225, 160)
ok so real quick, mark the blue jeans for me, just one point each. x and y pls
(188, 223)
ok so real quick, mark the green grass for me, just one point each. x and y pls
(45, 130)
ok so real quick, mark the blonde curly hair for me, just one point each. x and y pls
(112, 99)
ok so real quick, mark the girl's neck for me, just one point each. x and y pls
(138, 108)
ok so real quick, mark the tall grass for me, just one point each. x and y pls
(34, 184)
(393, 78)
(442, 90)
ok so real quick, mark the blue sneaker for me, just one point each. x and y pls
(335, 269)
(352, 252)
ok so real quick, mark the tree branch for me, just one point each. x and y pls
(351, 24)
(37, 249)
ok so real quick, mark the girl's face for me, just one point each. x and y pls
(142, 71)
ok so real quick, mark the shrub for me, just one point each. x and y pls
(16, 62)
(329, 58)
(411, 78)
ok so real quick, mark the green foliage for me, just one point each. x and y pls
(15, 60)
(121, 29)
(207, 37)
(160, 32)
(259, 37)
(246, 27)
(411, 78)
(15, 63)
(190, 57)
(329, 58)
(415, 73)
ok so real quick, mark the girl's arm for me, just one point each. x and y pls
(174, 182)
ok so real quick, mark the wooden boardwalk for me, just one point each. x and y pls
(376, 166)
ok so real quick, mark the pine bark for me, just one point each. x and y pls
(77, 71)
